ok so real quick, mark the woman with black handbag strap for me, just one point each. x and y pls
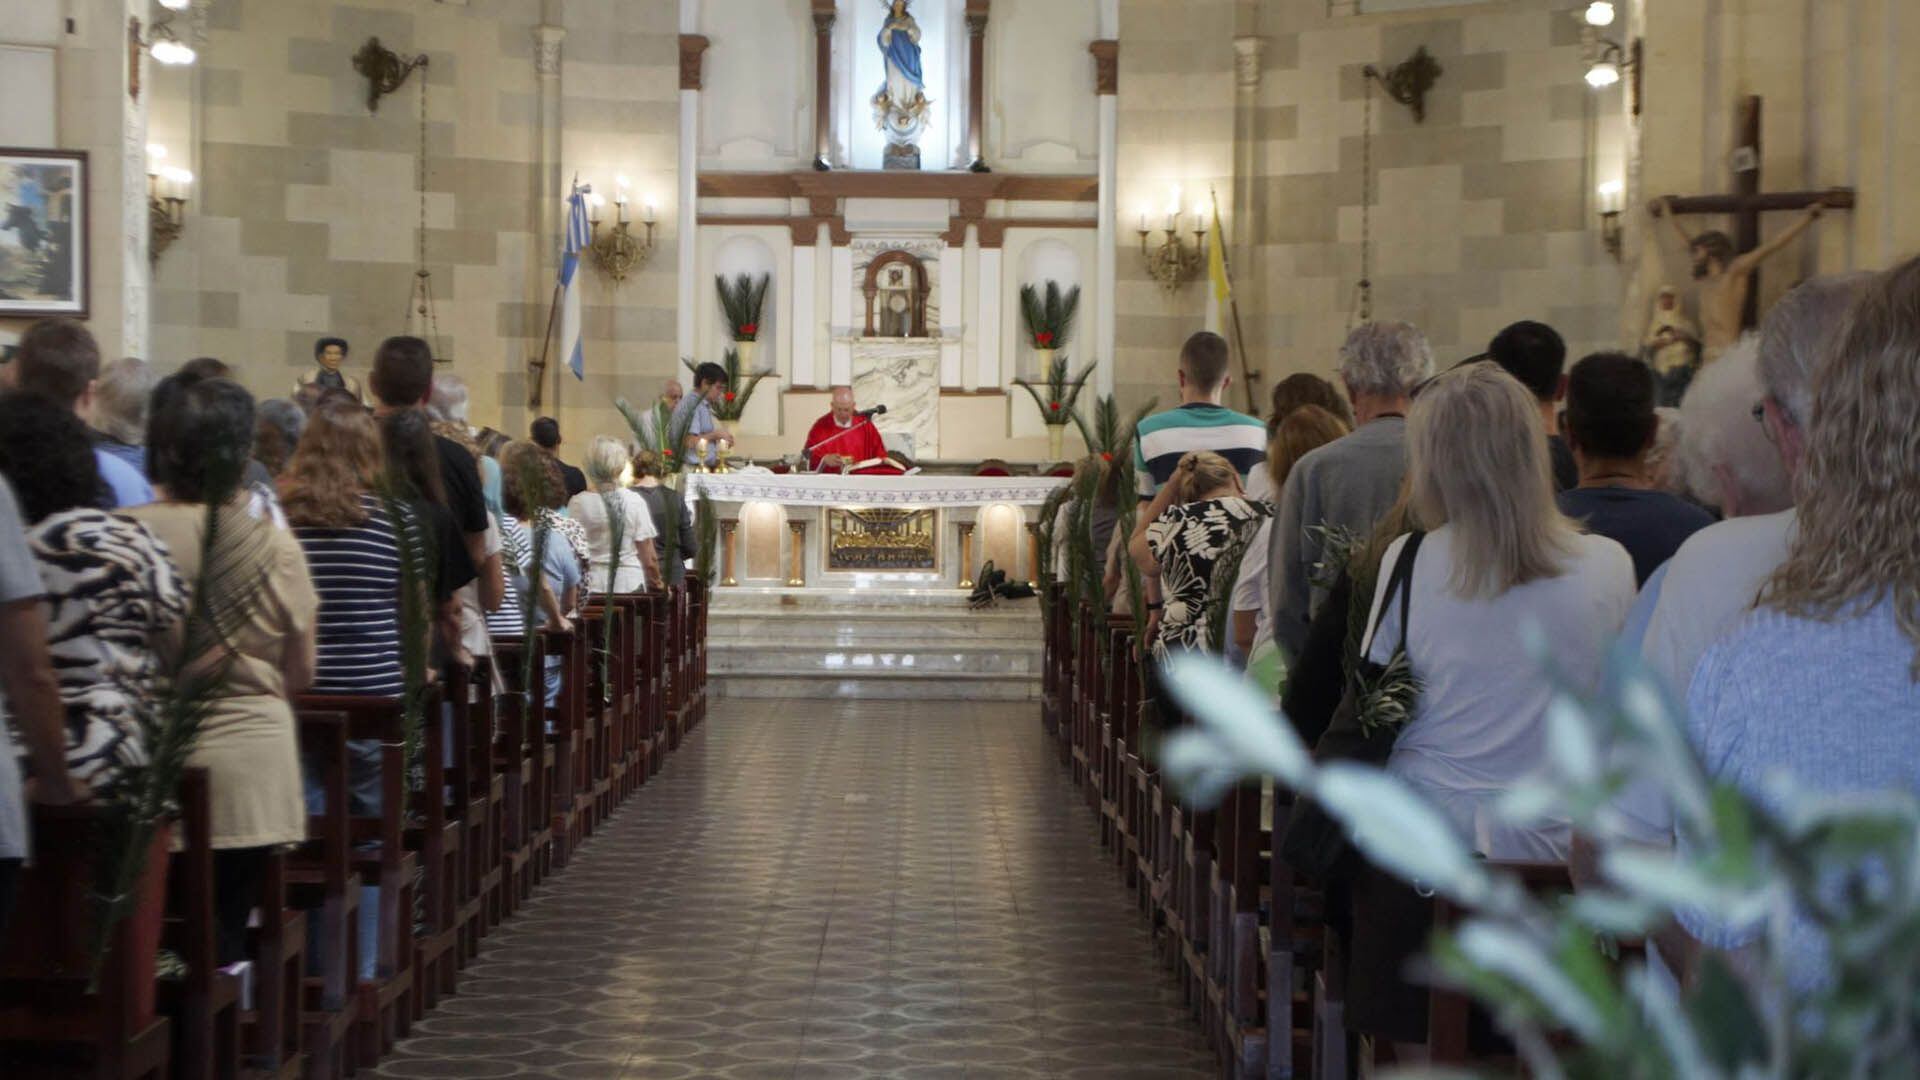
(1449, 690)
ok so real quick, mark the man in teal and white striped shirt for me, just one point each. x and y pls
(1200, 422)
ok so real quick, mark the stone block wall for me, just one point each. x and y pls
(306, 204)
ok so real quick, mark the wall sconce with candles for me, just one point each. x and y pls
(167, 188)
(1172, 262)
(1611, 197)
(618, 253)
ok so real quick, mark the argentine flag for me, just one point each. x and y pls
(578, 235)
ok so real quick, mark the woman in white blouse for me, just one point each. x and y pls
(1500, 559)
(595, 508)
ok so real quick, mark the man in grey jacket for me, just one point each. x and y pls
(1350, 482)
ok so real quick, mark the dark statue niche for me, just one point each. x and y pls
(897, 291)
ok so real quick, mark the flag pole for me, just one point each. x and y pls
(1233, 299)
(546, 344)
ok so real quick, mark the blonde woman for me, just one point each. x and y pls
(594, 509)
(1198, 518)
(1821, 682)
(1500, 560)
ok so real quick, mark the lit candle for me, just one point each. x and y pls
(1173, 210)
(620, 199)
(648, 211)
(1143, 221)
(1199, 218)
(1611, 195)
(594, 203)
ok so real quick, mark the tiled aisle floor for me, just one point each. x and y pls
(828, 889)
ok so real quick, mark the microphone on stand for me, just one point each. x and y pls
(868, 414)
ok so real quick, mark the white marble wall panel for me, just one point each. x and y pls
(904, 375)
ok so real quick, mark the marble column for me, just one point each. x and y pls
(693, 49)
(976, 84)
(823, 19)
(953, 295)
(1106, 56)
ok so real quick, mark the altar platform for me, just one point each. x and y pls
(837, 586)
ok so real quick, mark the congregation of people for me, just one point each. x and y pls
(347, 534)
(1757, 546)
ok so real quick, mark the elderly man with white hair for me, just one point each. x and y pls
(1350, 482)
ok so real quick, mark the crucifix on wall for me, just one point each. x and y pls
(1728, 268)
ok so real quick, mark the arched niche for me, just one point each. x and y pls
(1043, 260)
(896, 274)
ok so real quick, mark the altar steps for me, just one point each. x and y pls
(906, 644)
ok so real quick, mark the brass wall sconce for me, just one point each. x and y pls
(1173, 262)
(617, 252)
(1608, 60)
(167, 188)
(1611, 196)
(1408, 81)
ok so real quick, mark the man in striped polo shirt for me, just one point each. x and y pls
(1200, 422)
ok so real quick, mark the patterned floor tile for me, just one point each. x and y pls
(827, 889)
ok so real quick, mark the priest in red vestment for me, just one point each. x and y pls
(845, 441)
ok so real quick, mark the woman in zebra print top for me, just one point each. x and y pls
(111, 590)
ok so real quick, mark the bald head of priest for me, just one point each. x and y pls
(843, 440)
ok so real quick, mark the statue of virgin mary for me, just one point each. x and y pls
(900, 46)
(900, 105)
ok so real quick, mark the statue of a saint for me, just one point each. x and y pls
(329, 354)
(900, 106)
(1726, 276)
(1671, 345)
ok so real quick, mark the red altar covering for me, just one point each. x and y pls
(860, 443)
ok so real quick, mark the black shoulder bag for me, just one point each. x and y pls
(1315, 845)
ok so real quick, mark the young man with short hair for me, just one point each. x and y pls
(1610, 425)
(546, 435)
(1199, 422)
(1534, 353)
(709, 386)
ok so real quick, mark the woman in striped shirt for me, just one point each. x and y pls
(352, 556)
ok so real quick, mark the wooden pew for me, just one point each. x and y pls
(380, 858)
(478, 801)
(271, 1031)
(519, 761)
(50, 1025)
(1451, 1015)
(560, 766)
(322, 882)
(204, 1002)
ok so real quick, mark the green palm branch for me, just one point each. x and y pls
(1062, 391)
(1050, 313)
(226, 595)
(742, 300)
(706, 532)
(532, 481)
(415, 543)
(616, 527)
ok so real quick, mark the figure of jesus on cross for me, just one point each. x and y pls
(1726, 267)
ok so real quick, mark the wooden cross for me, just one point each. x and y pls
(1748, 202)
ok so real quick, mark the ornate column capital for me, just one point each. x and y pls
(692, 48)
(1248, 52)
(823, 16)
(546, 48)
(1106, 65)
(976, 24)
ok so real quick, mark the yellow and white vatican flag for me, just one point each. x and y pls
(1217, 260)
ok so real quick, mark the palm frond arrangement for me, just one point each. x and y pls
(1049, 513)
(706, 524)
(733, 401)
(1226, 571)
(1106, 434)
(532, 482)
(415, 543)
(616, 527)
(1059, 392)
(661, 431)
(742, 300)
(1049, 315)
(171, 727)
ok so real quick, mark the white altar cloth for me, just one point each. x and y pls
(810, 489)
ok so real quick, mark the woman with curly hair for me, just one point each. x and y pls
(1818, 688)
(112, 592)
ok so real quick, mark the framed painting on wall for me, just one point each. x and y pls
(43, 232)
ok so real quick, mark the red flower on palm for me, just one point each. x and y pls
(749, 329)
(1055, 406)
(729, 395)
(1044, 339)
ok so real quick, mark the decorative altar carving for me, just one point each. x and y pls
(882, 538)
